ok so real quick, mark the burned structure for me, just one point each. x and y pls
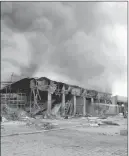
(42, 94)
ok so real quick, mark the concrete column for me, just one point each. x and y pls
(30, 100)
(117, 109)
(84, 106)
(74, 104)
(63, 101)
(17, 101)
(92, 100)
(63, 104)
(49, 103)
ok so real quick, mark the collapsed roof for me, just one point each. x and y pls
(24, 86)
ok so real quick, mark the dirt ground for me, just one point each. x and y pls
(75, 138)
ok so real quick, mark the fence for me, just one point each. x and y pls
(14, 100)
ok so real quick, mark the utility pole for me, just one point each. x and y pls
(12, 77)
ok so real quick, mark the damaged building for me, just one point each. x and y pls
(42, 95)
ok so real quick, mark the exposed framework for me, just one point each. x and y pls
(35, 94)
(37, 85)
(13, 99)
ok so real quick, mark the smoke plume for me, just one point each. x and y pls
(77, 41)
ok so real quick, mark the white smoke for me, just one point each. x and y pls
(80, 41)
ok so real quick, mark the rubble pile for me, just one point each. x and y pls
(110, 123)
(124, 132)
(38, 124)
(99, 121)
(56, 110)
(8, 113)
(14, 114)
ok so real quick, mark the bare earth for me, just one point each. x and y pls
(70, 141)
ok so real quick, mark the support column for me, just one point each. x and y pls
(74, 104)
(63, 104)
(13, 100)
(92, 106)
(6, 96)
(49, 103)
(84, 106)
(30, 100)
(117, 109)
(17, 100)
(92, 100)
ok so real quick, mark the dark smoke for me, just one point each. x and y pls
(67, 38)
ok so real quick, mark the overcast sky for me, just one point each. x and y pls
(81, 43)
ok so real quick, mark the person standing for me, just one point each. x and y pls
(123, 109)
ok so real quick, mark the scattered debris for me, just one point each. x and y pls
(103, 117)
(78, 115)
(39, 124)
(94, 125)
(88, 115)
(125, 115)
(124, 132)
(56, 110)
(120, 114)
(110, 123)
(84, 118)
(66, 117)
(3, 119)
(14, 114)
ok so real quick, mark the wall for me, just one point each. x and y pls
(114, 100)
(107, 109)
(14, 99)
(94, 109)
(97, 109)
(113, 110)
(79, 105)
(90, 108)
